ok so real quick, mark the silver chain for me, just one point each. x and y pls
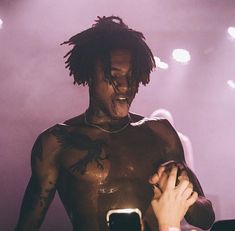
(105, 130)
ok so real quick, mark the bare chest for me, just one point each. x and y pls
(130, 154)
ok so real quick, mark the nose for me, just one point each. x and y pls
(122, 84)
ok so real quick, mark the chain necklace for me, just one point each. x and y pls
(105, 130)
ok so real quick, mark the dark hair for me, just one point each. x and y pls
(106, 34)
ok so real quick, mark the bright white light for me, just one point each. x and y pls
(231, 83)
(157, 59)
(231, 31)
(181, 55)
(123, 211)
(163, 65)
(1, 22)
(160, 64)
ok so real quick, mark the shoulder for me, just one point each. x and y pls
(159, 126)
(135, 117)
(183, 137)
(59, 132)
(75, 121)
(155, 124)
(46, 150)
(45, 155)
(164, 131)
(50, 139)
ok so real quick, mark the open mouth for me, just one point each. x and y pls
(121, 99)
(121, 105)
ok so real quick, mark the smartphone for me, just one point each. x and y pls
(124, 219)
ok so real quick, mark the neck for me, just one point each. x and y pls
(102, 120)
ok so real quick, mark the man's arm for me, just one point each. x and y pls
(42, 185)
(201, 213)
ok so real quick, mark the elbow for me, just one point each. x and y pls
(205, 221)
(201, 215)
(208, 222)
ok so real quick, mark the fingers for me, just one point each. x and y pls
(192, 199)
(166, 176)
(184, 175)
(185, 190)
(171, 201)
(172, 178)
(157, 193)
(156, 177)
(188, 191)
(163, 181)
(182, 186)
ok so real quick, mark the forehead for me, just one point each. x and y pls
(120, 59)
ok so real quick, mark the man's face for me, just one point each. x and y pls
(115, 97)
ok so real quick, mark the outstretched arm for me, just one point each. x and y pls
(42, 185)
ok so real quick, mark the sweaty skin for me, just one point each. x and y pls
(94, 170)
(94, 173)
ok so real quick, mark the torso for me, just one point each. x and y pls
(101, 171)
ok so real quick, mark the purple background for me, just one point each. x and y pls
(36, 92)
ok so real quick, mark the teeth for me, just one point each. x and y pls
(121, 98)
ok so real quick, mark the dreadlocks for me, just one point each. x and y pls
(108, 33)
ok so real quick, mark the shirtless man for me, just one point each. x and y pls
(103, 158)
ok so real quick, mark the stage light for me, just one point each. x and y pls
(1, 22)
(231, 31)
(163, 65)
(181, 55)
(231, 83)
(160, 64)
